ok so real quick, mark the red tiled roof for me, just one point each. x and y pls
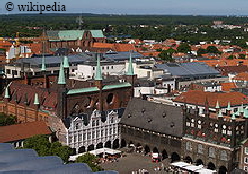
(124, 47)
(216, 63)
(22, 131)
(47, 98)
(228, 86)
(102, 45)
(200, 98)
(242, 76)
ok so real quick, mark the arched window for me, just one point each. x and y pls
(188, 146)
(200, 148)
(223, 155)
(211, 152)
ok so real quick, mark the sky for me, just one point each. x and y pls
(173, 7)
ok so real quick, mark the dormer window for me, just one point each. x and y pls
(172, 124)
(143, 110)
(149, 120)
(164, 114)
(129, 115)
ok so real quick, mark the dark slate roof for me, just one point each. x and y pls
(26, 161)
(121, 56)
(238, 171)
(49, 60)
(154, 117)
(188, 69)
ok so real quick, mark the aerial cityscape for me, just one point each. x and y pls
(114, 87)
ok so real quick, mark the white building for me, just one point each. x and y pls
(88, 70)
(93, 131)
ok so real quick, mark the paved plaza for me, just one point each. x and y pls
(133, 162)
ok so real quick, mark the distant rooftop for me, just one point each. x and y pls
(188, 69)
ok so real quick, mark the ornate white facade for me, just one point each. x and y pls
(98, 129)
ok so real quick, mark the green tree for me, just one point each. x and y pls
(41, 144)
(212, 49)
(241, 56)
(201, 51)
(184, 48)
(90, 160)
(167, 55)
(7, 120)
(63, 152)
(231, 57)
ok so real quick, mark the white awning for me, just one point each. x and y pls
(180, 164)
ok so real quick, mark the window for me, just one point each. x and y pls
(8, 71)
(211, 152)
(97, 123)
(93, 68)
(188, 146)
(112, 67)
(246, 168)
(246, 150)
(200, 148)
(246, 160)
(14, 72)
(223, 155)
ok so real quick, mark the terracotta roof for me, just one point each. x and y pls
(151, 53)
(228, 86)
(22, 131)
(200, 98)
(103, 45)
(225, 70)
(217, 63)
(124, 47)
(242, 76)
(47, 98)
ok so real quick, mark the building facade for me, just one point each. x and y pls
(94, 130)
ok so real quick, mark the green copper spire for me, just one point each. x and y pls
(6, 95)
(66, 62)
(98, 74)
(242, 108)
(229, 106)
(220, 114)
(61, 80)
(245, 113)
(233, 116)
(217, 105)
(130, 70)
(43, 65)
(36, 99)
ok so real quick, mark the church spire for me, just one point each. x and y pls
(229, 106)
(61, 80)
(220, 114)
(217, 105)
(6, 95)
(36, 99)
(130, 70)
(66, 62)
(98, 74)
(43, 65)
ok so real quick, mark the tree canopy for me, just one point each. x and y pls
(7, 120)
(90, 160)
(212, 49)
(167, 55)
(41, 144)
(184, 48)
